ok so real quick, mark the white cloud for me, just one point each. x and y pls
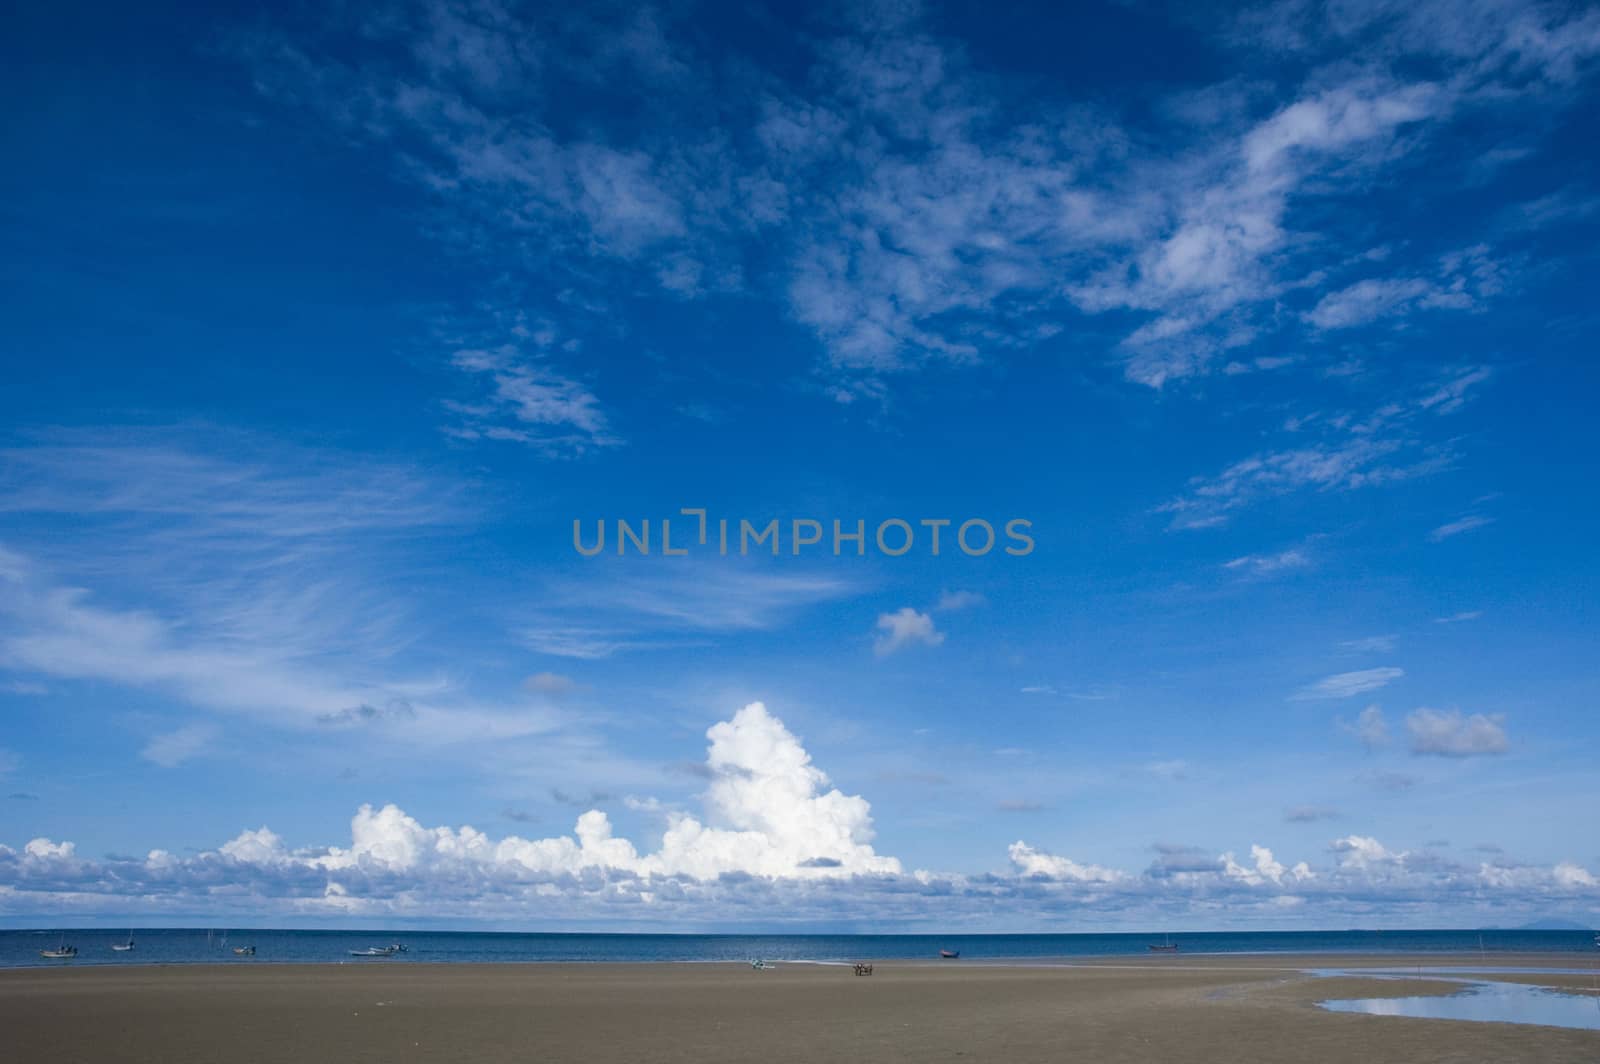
(1455, 528)
(1465, 279)
(1372, 644)
(1367, 301)
(1457, 618)
(912, 208)
(1032, 862)
(280, 660)
(1267, 869)
(1383, 446)
(950, 601)
(1267, 564)
(262, 846)
(174, 748)
(1364, 852)
(47, 850)
(1349, 684)
(676, 605)
(529, 403)
(1574, 876)
(550, 684)
(769, 812)
(775, 845)
(903, 628)
(1370, 728)
(1447, 733)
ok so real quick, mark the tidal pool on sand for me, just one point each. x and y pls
(1488, 1003)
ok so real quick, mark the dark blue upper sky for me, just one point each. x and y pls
(326, 323)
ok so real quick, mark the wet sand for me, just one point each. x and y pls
(1180, 1008)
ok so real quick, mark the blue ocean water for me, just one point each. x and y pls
(280, 946)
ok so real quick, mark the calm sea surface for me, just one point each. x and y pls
(192, 946)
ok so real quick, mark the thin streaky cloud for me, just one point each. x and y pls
(1457, 527)
(1349, 684)
(1457, 618)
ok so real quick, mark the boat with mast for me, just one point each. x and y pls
(62, 952)
(124, 947)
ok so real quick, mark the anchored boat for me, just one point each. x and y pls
(379, 951)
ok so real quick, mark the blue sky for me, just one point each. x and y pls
(1272, 322)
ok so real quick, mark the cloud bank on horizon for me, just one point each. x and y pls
(775, 837)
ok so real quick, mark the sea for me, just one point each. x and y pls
(21, 948)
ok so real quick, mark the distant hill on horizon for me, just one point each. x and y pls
(1553, 924)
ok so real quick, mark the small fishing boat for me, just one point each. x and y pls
(1168, 946)
(244, 951)
(124, 947)
(379, 951)
(62, 952)
(949, 954)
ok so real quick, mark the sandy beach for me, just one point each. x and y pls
(1239, 1008)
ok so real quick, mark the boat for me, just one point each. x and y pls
(124, 947)
(949, 954)
(1167, 946)
(244, 951)
(379, 951)
(62, 952)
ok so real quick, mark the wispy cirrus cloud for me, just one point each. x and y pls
(1465, 280)
(529, 403)
(173, 748)
(1349, 684)
(1458, 526)
(1458, 618)
(1372, 644)
(1270, 564)
(243, 577)
(678, 604)
(1383, 446)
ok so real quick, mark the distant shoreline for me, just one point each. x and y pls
(1470, 961)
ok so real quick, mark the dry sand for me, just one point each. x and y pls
(1201, 1009)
